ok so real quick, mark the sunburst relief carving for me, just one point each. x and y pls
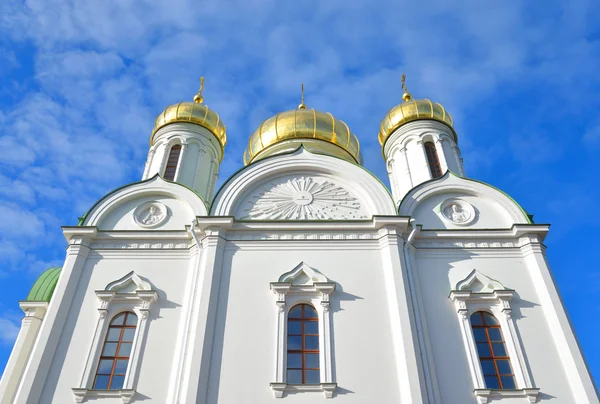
(304, 199)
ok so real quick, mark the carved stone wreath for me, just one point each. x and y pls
(304, 198)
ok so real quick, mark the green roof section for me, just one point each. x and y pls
(43, 288)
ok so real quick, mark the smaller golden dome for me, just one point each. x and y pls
(319, 132)
(192, 112)
(412, 110)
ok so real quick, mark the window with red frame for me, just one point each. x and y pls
(303, 345)
(116, 351)
(172, 162)
(495, 363)
(433, 160)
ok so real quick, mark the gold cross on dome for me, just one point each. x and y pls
(198, 99)
(406, 96)
(302, 105)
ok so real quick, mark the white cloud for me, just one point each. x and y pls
(592, 135)
(80, 121)
(17, 190)
(17, 222)
(9, 329)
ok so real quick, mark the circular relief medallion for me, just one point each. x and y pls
(457, 211)
(150, 214)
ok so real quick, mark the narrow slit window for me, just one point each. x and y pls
(172, 162)
(495, 363)
(433, 161)
(116, 352)
(303, 346)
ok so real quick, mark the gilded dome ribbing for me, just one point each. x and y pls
(192, 112)
(412, 110)
(306, 124)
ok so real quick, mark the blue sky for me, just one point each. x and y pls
(81, 83)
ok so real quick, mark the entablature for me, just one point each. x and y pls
(517, 236)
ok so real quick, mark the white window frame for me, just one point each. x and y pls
(476, 293)
(130, 293)
(303, 285)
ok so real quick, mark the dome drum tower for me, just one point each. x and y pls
(418, 143)
(187, 146)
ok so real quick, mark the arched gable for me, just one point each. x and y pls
(452, 202)
(151, 204)
(303, 186)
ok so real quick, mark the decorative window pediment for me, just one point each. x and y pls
(130, 283)
(303, 285)
(480, 293)
(477, 282)
(303, 275)
(478, 288)
(129, 293)
(129, 289)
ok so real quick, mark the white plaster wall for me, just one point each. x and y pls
(167, 271)
(438, 272)
(243, 355)
(243, 361)
(488, 213)
(179, 214)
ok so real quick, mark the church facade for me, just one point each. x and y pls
(302, 279)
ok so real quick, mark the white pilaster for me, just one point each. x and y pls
(38, 367)
(149, 160)
(182, 157)
(582, 386)
(30, 327)
(411, 385)
(424, 171)
(194, 387)
(182, 341)
(439, 148)
(459, 162)
(158, 151)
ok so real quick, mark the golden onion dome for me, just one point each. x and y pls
(412, 110)
(192, 112)
(318, 132)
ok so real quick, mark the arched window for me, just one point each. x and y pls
(172, 162)
(116, 352)
(303, 346)
(433, 160)
(495, 363)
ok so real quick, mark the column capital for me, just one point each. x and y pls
(34, 309)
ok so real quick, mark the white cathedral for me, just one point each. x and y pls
(302, 279)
